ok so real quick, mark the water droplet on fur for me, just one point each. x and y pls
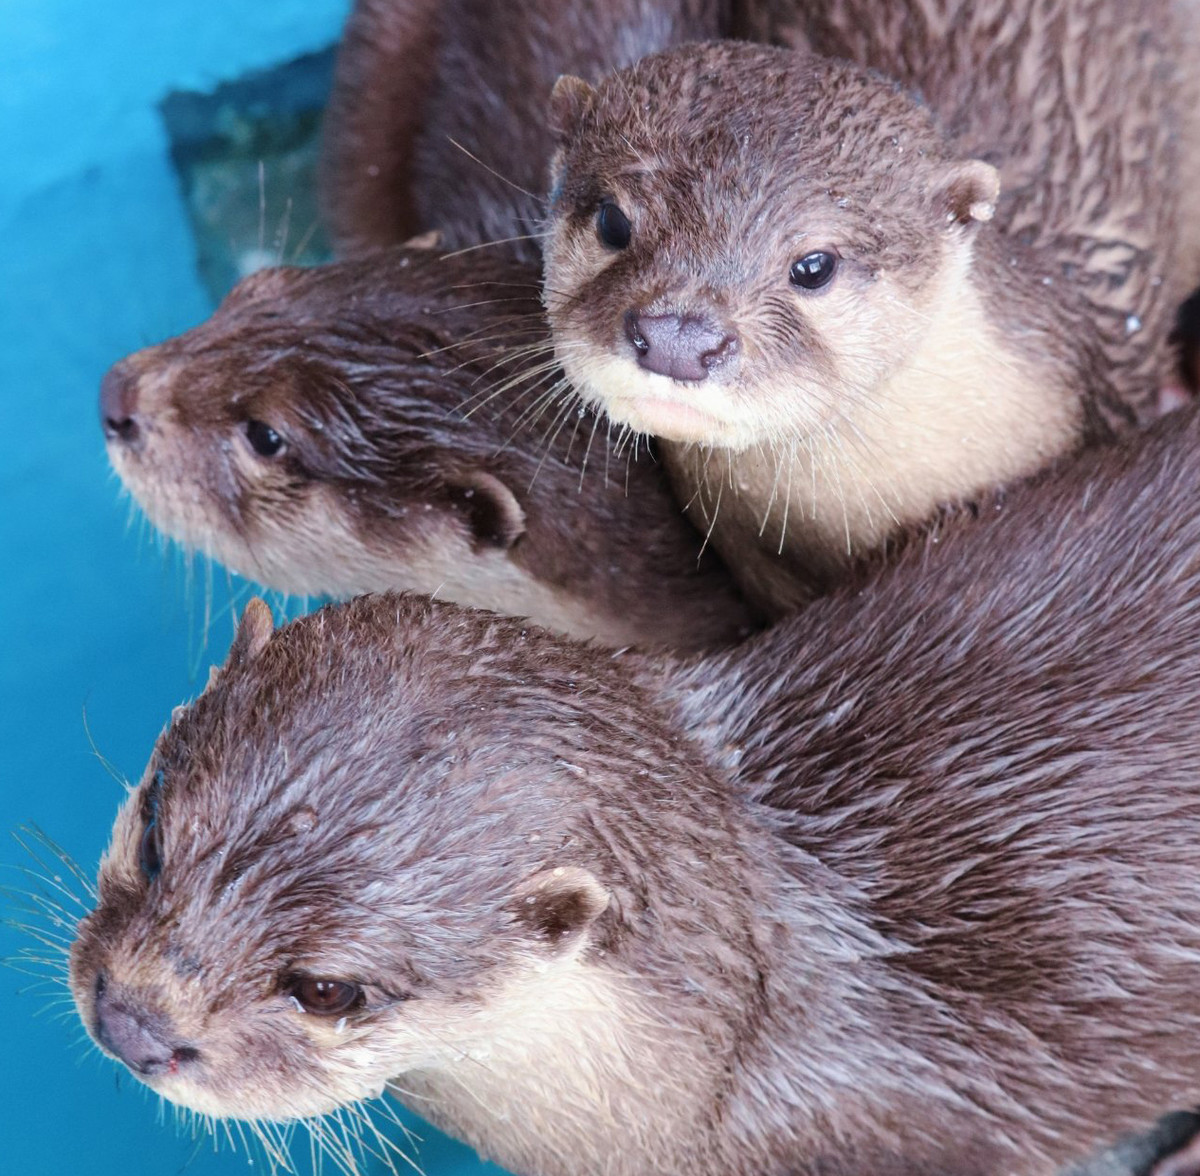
(1133, 324)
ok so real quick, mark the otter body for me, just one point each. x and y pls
(394, 422)
(438, 113)
(904, 886)
(845, 306)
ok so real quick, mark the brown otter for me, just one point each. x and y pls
(845, 306)
(316, 435)
(437, 118)
(902, 886)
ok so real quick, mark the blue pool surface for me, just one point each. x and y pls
(104, 632)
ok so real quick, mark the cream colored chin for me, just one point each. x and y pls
(349, 1076)
(245, 1104)
(176, 510)
(702, 413)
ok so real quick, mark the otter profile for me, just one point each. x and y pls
(392, 422)
(907, 885)
(845, 307)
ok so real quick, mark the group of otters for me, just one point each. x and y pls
(861, 835)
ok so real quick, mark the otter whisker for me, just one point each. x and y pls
(281, 233)
(588, 449)
(305, 239)
(550, 437)
(492, 171)
(490, 244)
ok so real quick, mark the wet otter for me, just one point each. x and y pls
(437, 118)
(904, 885)
(845, 308)
(315, 434)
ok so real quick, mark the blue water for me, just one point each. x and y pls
(103, 633)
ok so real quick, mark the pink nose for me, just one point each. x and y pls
(686, 347)
(139, 1037)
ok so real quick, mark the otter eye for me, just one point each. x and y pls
(612, 226)
(150, 847)
(326, 998)
(263, 439)
(813, 270)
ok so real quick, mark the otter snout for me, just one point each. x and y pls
(138, 1035)
(684, 347)
(118, 405)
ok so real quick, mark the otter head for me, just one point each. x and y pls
(332, 875)
(370, 425)
(746, 242)
(312, 436)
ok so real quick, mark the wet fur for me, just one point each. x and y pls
(429, 445)
(706, 147)
(437, 119)
(901, 886)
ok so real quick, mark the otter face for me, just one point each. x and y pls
(322, 883)
(746, 243)
(310, 434)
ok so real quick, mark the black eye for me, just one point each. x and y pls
(263, 439)
(326, 998)
(612, 226)
(814, 270)
(150, 848)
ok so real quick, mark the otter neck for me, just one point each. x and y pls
(570, 1068)
(931, 433)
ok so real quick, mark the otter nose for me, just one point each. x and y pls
(140, 1038)
(684, 347)
(118, 405)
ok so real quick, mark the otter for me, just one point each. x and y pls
(391, 422)
(437, 117)
(843, 306)
(902, 885)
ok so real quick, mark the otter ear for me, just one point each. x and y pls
(253, 632)
(491, 509)
(430, 240)
(560, 903)
(569, 100)
(968, 191)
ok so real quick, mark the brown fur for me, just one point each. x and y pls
(903, 886)
(400, 467)
(998, 340)
(437, 119)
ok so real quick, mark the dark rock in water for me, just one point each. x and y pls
(246, 154)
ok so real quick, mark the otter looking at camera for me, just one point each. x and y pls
(843, 309)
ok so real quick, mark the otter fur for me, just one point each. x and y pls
(903, 886)
(437, 119)
(846, 300)
(393, 422)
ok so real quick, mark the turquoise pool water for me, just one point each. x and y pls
(104, 632)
